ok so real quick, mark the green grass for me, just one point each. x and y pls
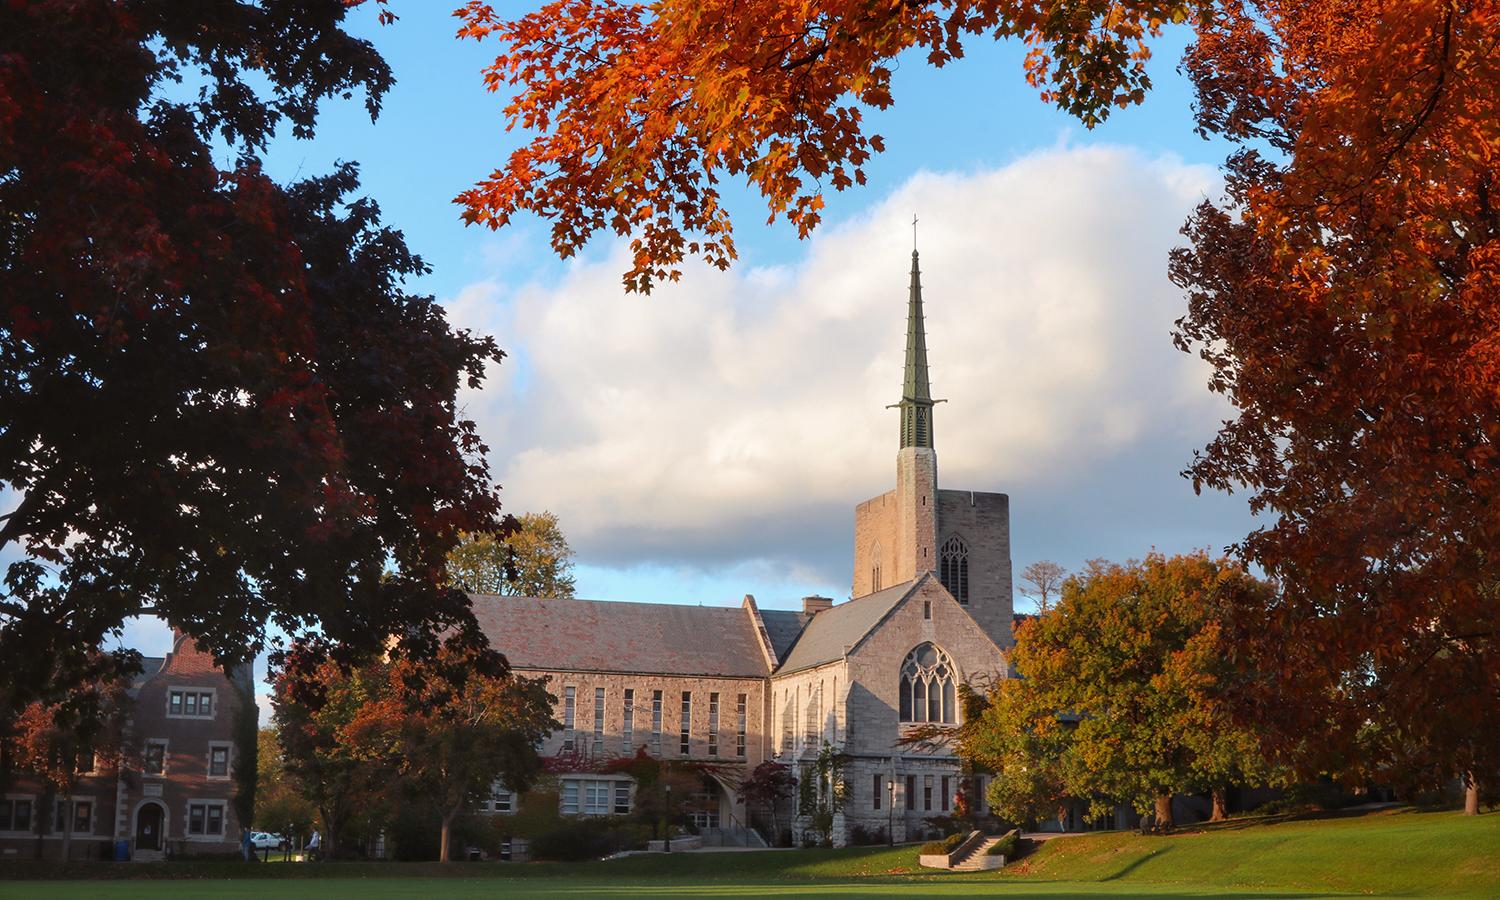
(1399, 854)
(1398, 851)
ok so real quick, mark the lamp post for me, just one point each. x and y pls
(890, 814)
(668, 843)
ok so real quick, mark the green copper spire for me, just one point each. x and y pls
(916, 395)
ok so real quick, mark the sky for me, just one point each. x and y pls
(712, 439)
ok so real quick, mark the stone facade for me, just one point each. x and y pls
(854, 677)
(174, 793)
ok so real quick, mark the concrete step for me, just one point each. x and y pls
(979, 859)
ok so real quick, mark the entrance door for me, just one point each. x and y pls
(148, 827)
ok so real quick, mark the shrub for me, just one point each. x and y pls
(945, 846)
(1006, 846)
(860, 836)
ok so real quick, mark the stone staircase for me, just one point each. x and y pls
(148, 856)
(979, 859)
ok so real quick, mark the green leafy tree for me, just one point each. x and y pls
(531, 558)
(1122, 693)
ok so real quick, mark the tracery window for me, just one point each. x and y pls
(929, 686)
(953, 568)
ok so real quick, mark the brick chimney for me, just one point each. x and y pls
(816, 604)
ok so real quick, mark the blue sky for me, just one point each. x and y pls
(712, 440)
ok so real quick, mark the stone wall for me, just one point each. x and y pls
(983, 521)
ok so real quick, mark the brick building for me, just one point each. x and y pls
(173, 795)
(931, 606)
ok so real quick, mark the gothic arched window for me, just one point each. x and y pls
(875, 566)
(953, 568)
(929, 686)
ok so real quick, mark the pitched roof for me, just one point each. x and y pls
(833, 630)
(783, 627)
(605, 636)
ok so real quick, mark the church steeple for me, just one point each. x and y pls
(916, 394)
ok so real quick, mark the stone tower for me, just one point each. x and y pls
(961, 536)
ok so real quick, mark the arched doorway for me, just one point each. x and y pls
(150, 822)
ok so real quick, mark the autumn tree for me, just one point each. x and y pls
(642, 110)
(316, 706)
(1046, 578)
(217, 404)
(1345, 293)
(528, 558)
(451, 732)
(768, 786)
(279, 807)
(1120, 699)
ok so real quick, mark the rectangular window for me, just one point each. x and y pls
(687, 720)
(197, 818)
(656, 722)
(5, 808)
(739, 737)
(218, 761)
(86, 762)
(591, 798)
(911, 792)
(598, 721)
(501, 800)
(927, 793)
(945, 792)
(195, 704)
(713, 724)
(622, 798)
(877, 782)
(83, 817)
(598, 797)
(627, 729)
(216, 820)
(570, 704)
(154, 761)
(20, 815)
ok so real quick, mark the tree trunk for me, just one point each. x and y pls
(1471, 795)
(1164, 823)
(448, 817)
(1221, 804)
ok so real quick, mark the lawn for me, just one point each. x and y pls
(1401, 853)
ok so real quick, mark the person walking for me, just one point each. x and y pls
(312, 845)
(245, 843)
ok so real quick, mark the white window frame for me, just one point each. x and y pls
(590, 796)
(198, 693)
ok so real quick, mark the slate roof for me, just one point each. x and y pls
(832, 630)
(605, 636)
(783, 627)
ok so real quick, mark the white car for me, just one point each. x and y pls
(261, 840)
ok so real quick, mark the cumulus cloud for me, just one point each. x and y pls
(739, 416)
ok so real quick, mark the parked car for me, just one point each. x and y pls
(261, 840)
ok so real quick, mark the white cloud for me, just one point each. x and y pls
(739, 416)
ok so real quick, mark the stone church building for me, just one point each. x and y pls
(931, 606)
